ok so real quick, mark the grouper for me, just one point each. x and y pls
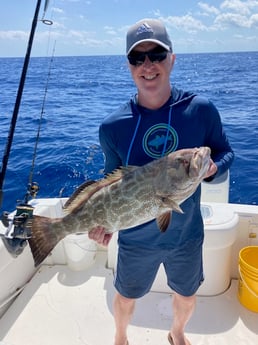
(128, 197)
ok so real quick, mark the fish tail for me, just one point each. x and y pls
(44, 238)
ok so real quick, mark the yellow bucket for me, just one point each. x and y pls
(248, 278)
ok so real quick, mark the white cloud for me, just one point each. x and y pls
(57, 10)
(109, 30)
(238, 20)
(254, 20)
(14, 35)
(77, 34)
(156, 13)
(58, 25)
(232, 13)
(208, 8)
(82, 38)
(187, 23)
(238, 6)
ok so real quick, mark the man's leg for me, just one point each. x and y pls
(123, 311)
(183, 308)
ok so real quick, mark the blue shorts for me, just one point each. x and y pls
(137, 269)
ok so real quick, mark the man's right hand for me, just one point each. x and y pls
(99, 235)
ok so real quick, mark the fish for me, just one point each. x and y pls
(159, 140)
(124, 199)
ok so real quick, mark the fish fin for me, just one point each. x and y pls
(164, 220)
(128, 168)
(43, 239)
(176, 207)
(171, 204)
(88, 188)
(78, 191)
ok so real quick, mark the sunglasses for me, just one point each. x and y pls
(157, 54)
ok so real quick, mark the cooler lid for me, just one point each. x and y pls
(217, 214)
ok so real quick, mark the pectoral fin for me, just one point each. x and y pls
(164, 220)
(176, 207)
(171, 204)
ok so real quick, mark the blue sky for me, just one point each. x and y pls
(97, 27)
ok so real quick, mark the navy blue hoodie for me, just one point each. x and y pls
(134, 135)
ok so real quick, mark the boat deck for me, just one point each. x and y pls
(60, 306)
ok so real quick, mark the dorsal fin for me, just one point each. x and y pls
(87, 189)
(128, 168)
(83, 186)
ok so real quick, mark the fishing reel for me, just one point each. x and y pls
(17, 229)
(18, 226)
(32, 191)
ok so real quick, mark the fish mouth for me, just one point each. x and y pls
(200, 162)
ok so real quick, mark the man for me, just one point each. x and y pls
(159, 119)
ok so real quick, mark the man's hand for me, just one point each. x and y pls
(99, 235)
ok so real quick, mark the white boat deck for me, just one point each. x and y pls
(60, 306)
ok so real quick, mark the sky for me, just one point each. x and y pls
(98, 27)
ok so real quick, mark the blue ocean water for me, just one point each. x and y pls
(83, 90)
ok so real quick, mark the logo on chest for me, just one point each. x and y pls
(160, 140)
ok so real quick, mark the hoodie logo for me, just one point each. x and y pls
(160, 140)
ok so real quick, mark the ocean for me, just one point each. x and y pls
(82, 90)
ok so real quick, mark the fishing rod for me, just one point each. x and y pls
(18, 228)
(20, 92)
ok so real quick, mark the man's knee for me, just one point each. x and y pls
(124, 300)
(185, 300)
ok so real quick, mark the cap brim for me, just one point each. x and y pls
(149, 40)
